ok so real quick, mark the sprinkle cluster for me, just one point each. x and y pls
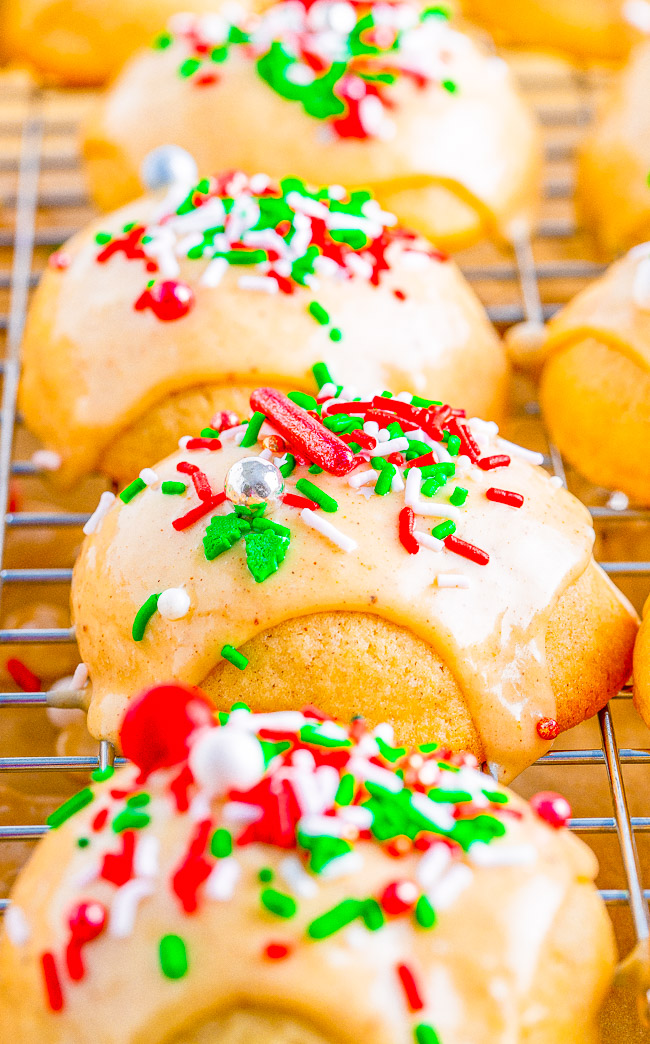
(338, 60)
(295, 781)
(282, 237)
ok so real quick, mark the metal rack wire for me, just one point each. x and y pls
(525, 279)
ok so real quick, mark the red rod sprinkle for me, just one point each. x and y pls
(198, 512)
(86, 922)
(498, 460)
(348, 407)
(99, 822)
(384, 418)
(52, 983)
(277, 951)
(22, 676)
(423, 461)
(311, 438)
(360, 437)
(118, 867)
(468, 444)
(406, 530)
(465, 550)
(203, 443)
(194, 869)
(410, 987)
(505, 496)
(293, 500)
(199, 478)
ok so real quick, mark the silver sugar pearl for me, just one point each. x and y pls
(168, 165)
(253, 480)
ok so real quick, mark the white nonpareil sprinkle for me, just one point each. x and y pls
(221, 883)
(80, 676)
(46, 460)
(384, 449)
(183, 441)
(174, 603)
(148, 476)
(125, 906)
(385, 732)
(296, 877)
(94, 522)
(426, 540)
(326, 529)
(483, 854)
(363, 478)
(383, 435)
(16, 925)
(520, 451)
(556, 481)
(145, 859)
(445, 893)
(452, 580)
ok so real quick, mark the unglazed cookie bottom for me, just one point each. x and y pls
(596, 404)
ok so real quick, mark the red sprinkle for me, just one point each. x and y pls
(199, 478)
(87, 921)
(406, 530)
(224, 420)
(168, 300)
(399, 897)
(59, 260)
(22, 676)
(194, 869)
(198, 512)
(52, 982)
(504, 496)
(277, 951)
(360, 437)
(548, 729)
(348, 407)
(203, 443)
(118, 867)
(498, 460)
(410, 987)
(468, 444)
(293, 500)
(423, 461)
(99, 822)
(551, 807)
(157, 726)
(311, 438)
(466, 550)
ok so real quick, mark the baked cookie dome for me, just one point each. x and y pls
(282, 878)
(591, 30)
(642, 667)
(376, 96)
(83, 43)
(490, 632)
(612, 192)
(175, 308)
(595, 389)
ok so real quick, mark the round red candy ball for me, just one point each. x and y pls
(87, 921)
(169, 300)
(158, 725)
(399, 897)
(551, 807)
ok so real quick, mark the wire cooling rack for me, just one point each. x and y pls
(45, 202)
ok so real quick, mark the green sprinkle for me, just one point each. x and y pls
(189, 67)
(102, 238)
(452, 87)
(373, 915)
(234, 657)
(100, 775)
(253, 430)
(322, 376)
(288, 466)
(223, 717)
(223, 533)
(428, 748)
(130, 819)
(384, 482)
(417, 400)
(266, 874)
(142, 617)
(313, 734)
(132, 490)
(395, 430)
(338, 917)
(265, 552)
(129, 227)
(308, 489)
(425, 1034)
(278, 903)
(138, 800)
(497, 797)
(271, 750)
(391, 754)
(240, 705)
(163, 41)
(172, 488)
(313, 469)
(221, 843)
(425, 915)
(430, 486)
(336, 334)
(323, 849)
(210, 433)
(83, 842)
(308, 402)
(444, 529)
(317, 311)
(173, 956)
(70, 807)
(416, 449)
(458, 497)
(453, 445)
(345, 793)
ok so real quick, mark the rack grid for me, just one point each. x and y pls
(45, 203)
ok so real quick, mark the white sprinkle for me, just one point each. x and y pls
(297, 878)
(232, 434)
(80, 676)
(363, 478)
(221, 883)
(433, 509)
(404, 396)
(384, 449)
(259, 182)
(241, 812)
(413, 486)
(267, 284)
(383, 435)
(46, 460)
(94, 522)
(556, 481)
(501, 855)
(278, 721)
(618, 501)
(342, 866)
(329, 826)
(362, 818)
(265, 454)
(145, 859)
(174, 603)
(327, 391)
(214, 272)
(428, 541)
(371, 428)
(447, 891)
(366, 770)
(183, 441)
(385, 732)
(637, 14)
(641, 284)
(16, 925)
(397, 483)
(326, 529)
(432, 865)
(125, 906)
(521, 451)
(148, 476)
(452, 580)
(437, 812)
